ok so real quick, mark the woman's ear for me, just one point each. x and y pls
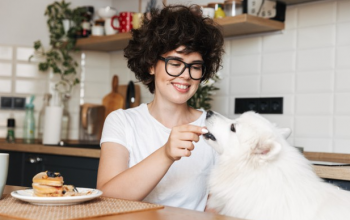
(151, 70)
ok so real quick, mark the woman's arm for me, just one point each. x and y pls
(115, 179)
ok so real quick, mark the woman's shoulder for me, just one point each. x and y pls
(139, 111)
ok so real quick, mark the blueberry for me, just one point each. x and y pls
(53, 174)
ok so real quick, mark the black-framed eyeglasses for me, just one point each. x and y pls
(175, 67)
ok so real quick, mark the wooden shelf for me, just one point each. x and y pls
(231, 26)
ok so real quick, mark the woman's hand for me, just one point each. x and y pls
(180, 142)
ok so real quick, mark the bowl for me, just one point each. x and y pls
(107, 12)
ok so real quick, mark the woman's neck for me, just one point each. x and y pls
(171, 114)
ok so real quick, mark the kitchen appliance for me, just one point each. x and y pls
(274, 10)
(92, 117)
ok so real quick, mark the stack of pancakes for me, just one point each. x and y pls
(50, 184)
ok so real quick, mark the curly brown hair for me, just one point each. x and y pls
(168, 29)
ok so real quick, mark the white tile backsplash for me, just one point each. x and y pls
(23, 53)
(37, 86)
(277, 83)
(281, 41)
(29, 70)
(341, 127)
(245, 64)
(315, 59)
(343, 57)
(247, 45)
(317, 13)
(6, 52)
(342, 80)
(219, 104)
(307, 64)
(247, 85)
(342, 103)
(5, 85)
(314, 104)
(291, 18)
(319, 36)
(318, 81)
(343, 33)
(279, 62)
(314, 144)
(99, 59)
(313, 126)
(343, 10)
(5, 69)
(342, 145)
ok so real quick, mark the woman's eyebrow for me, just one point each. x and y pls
(180, 58)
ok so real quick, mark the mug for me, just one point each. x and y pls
(137, 20)
(4, 163)
(125, 22)
(109, 30)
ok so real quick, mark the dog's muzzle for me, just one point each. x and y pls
(209, 136)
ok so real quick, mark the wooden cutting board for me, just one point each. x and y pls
(113, 100)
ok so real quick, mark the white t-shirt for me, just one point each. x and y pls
(185, 183)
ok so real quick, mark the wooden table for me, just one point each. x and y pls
(168, 213)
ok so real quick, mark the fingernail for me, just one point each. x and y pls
(204, 131)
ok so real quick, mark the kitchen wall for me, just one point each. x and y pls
(307, 64)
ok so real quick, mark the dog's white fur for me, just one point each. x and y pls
(259, 176)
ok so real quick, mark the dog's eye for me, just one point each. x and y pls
(233, 128)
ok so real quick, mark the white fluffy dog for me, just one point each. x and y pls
(259, 176)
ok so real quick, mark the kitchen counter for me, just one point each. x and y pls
(339, 168)
(68, 150)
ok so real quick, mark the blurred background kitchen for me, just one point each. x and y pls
(307, 63)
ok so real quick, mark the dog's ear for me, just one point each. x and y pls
(267, 149)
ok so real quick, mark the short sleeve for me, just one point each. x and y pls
(114, 128)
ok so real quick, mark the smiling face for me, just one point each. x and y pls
(175, 89)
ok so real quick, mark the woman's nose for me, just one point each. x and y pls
(186, 73)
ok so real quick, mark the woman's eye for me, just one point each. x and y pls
(197, 67)
(233, 128)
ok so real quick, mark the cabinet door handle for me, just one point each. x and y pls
(35, 160)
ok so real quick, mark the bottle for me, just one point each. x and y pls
(11, 123)
(46, 103)
(219, 12)
(29, 123)
(65, 118)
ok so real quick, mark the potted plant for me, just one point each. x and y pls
(63, 23)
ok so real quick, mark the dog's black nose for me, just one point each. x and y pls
(209, 113)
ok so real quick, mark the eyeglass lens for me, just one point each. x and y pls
(176, 67)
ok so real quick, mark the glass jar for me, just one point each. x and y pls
(11, 123)
(29, 125)
(233, 7)
(65, 118)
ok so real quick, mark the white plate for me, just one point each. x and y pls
(27, 195)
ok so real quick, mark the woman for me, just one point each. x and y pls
(154, 152)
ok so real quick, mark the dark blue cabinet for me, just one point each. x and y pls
(78, 171)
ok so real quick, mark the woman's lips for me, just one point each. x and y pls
(181, 87)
